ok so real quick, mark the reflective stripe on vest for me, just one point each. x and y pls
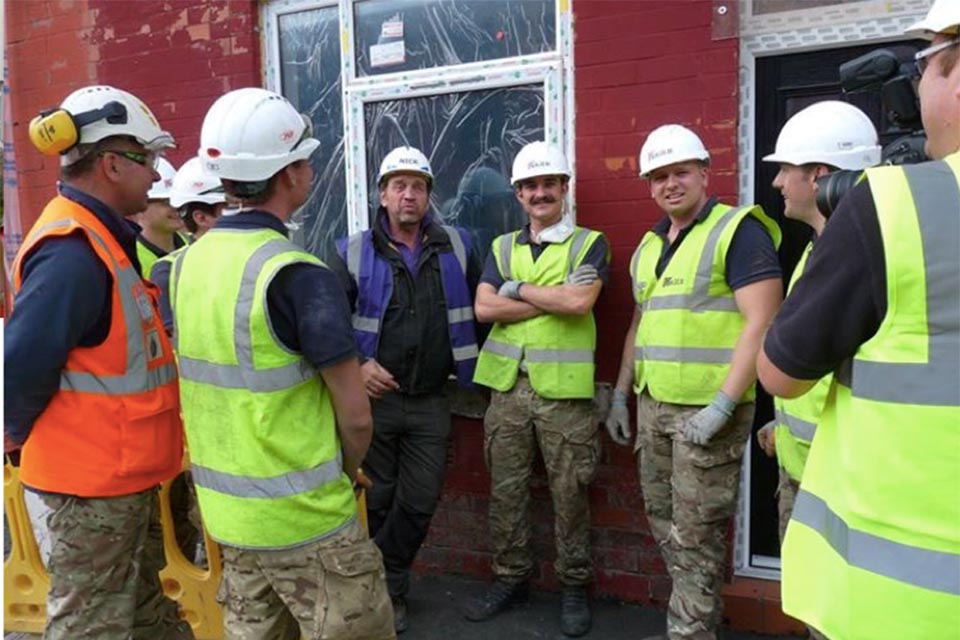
(689, 321)
(374, 279)
(801, 429)
(137, 308)
(706, 355)
(113, 426)
(878, 514)
(937, 381)
(260, 420)
(797, 418)
(556, 351)
(244, 375)
(912, 565)
(282, 486)
(700, 299)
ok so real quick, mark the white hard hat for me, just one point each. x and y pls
(829, 132)
(539, 159)
(250, 134)
(668, 144)
(161, 188)
(124, 115)
(193, 184)
(943, 17)
(406, 159)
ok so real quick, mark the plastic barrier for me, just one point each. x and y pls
(25, 580)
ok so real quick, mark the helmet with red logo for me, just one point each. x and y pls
(161, 188)
(250, 134)
(193, 184)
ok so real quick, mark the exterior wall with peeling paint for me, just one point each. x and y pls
(177, 56)
(638, 65)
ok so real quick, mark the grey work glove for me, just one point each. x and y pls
(584, 275)
(618, 420)
(705, 423)
(511, 289)
(767, 438)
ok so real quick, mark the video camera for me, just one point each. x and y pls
(892, 71)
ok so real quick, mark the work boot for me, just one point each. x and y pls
(574, 611)
(499, 597)
(400, 621)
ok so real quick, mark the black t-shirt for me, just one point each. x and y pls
(307, 305)
(841, 298)
(751, 257)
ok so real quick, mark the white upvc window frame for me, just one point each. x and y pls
(554, 70)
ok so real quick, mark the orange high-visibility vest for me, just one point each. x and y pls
(114, 426)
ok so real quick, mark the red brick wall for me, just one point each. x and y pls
(638, 65)
(177, 56)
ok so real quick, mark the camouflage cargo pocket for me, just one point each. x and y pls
(355, 603)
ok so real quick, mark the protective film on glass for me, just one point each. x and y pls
(403, 35)
(470, 139)
(310, 79)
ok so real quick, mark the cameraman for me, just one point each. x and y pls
(872, 549)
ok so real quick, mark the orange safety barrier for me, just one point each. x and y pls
(26, 583)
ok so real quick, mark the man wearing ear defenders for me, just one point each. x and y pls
(91, 386)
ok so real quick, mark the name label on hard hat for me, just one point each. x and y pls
(653, 155)
(406, 161)
(536, 164)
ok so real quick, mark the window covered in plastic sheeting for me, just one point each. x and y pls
(309, 52)
(404, 35)
(470, 139)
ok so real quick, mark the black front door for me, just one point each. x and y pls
(784, 85)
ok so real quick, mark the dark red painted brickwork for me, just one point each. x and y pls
(638, 65)
(177, 56)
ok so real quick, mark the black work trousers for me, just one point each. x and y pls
(406, 462)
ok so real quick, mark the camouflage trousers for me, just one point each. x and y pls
(787, 489)
(334, 588)
(566, 431)
(105, 554)
(690, 492)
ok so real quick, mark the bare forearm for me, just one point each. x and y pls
(743, 370)
(625, 376)
(562, 299)
(491, 307)
(352, 409)
(758, 302)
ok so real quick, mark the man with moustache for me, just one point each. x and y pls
(409, 281)
(539, 287)
(706, 281)
(873, 546)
